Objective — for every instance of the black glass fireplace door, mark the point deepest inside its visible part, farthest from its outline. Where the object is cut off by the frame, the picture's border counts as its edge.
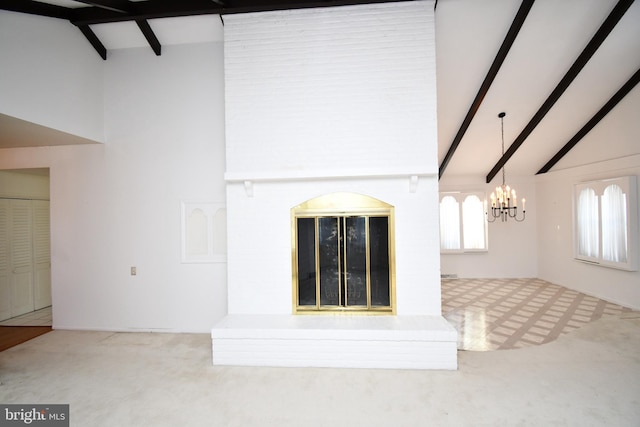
(343, 262)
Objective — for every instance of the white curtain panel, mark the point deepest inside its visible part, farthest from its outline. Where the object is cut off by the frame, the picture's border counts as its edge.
(473, 223)
(449, 223)
(588, 239)
(614, 224)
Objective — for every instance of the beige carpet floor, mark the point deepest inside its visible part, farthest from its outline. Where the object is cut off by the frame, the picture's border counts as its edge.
(589, 377)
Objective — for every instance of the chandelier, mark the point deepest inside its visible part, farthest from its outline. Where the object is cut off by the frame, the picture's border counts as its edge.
(504, 202)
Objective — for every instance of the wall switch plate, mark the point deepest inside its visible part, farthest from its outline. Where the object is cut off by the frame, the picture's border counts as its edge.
(133, 271)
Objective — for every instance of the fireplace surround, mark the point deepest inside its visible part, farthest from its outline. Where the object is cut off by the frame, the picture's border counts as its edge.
(315, 112)
(263, 327)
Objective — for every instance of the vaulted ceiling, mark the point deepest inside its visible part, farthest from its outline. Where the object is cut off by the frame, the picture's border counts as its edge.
(558, 78)
(561, 70)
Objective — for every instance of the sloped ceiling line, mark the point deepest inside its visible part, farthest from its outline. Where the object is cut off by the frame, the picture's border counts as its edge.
(613, 101)
(514, 29)
(605, 29)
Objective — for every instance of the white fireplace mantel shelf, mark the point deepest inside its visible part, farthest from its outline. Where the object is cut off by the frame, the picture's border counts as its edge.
(306, 175)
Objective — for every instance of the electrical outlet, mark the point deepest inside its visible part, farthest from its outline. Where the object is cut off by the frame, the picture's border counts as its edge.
(133, 271)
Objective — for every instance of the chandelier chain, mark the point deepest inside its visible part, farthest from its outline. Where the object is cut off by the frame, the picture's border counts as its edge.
(502, 131)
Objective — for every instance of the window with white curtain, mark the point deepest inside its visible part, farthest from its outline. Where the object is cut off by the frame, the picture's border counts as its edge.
(606, 228)
(463, 224)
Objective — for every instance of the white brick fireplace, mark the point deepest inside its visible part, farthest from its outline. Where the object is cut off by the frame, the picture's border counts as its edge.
(320, 101)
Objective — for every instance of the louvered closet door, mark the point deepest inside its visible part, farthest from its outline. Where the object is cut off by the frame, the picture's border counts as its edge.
(21, 250)
(41, 254)
(5, 270)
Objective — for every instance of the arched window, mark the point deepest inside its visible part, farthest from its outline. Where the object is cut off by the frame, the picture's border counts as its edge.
(606, 225)
(463, 224)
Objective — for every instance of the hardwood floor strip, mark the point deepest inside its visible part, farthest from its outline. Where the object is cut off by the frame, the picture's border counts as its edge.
(10, 336)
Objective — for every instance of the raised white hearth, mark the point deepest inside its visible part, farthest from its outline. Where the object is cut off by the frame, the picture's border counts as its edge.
(396, 342)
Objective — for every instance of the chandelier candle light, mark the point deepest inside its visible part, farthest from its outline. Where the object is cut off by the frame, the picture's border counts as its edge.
(504, 202)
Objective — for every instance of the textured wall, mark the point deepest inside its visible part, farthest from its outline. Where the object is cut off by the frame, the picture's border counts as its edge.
(324, 100)
(331, 89)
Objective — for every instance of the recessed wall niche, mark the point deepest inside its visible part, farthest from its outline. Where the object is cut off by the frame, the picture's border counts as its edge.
(204, 232)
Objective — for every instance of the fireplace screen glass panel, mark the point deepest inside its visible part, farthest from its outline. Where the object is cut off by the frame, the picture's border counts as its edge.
(355, 271)
(379, 242)
(306, 261)
(328, 252)
(343, 263)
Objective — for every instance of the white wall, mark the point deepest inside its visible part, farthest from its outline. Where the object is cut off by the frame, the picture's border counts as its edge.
(326, 100)
(513, 246)
(50, 75)
(117, 205)
(555, 251)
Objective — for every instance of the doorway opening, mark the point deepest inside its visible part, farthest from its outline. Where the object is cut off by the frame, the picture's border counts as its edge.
(25, 248)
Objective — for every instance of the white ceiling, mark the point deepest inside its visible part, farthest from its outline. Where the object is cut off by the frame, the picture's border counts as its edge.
(15, 132)
(468, 36)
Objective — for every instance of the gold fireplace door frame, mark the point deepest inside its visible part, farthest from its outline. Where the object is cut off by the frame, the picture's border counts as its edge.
(343, 205)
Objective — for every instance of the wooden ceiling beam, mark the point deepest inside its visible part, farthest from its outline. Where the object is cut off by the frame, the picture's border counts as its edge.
(613, 101)
(150, 9)
(121, 6)
(93, 39)
(153, 9)
(607, 26)
(106, 11)
(36, 8)
(246, 6)
(149, 35)
(508, 41)
(128, 9)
